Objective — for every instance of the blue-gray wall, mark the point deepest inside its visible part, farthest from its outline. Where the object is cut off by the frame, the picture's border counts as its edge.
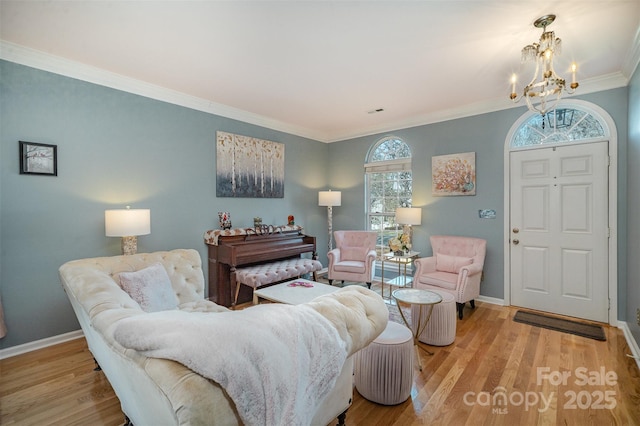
(633, 200)
(116, 148)
(485, 135)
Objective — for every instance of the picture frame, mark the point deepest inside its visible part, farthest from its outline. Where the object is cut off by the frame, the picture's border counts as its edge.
(453, 174)
(249, 167)
(38, 159)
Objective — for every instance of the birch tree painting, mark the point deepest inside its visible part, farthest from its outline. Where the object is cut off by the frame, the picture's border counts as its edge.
(248, 167)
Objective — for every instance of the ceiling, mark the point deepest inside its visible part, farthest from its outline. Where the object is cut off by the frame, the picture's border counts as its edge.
(318, 68)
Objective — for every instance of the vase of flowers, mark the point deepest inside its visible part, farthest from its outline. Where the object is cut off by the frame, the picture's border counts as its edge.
(400, 245)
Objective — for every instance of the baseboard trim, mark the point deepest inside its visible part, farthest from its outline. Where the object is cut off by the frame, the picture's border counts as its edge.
(40, 344)
(492, 300)
(631, 341)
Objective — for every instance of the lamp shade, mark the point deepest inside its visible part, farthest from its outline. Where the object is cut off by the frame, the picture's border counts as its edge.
(329, 198)
(408, 215)
(127, 222)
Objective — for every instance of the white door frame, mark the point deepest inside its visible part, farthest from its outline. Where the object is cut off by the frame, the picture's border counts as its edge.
(611, 135)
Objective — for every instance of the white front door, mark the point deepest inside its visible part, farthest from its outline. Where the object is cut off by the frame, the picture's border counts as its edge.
(559, 230)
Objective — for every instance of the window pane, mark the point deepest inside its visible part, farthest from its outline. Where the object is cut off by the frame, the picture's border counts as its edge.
(386, 228)
(558, 126)
(391, 149)
(388, 190)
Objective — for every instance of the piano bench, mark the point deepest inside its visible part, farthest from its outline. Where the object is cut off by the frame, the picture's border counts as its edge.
(269, 273)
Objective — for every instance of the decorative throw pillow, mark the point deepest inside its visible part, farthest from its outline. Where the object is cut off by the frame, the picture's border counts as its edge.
(150, 287)
(353, 253)
(446, 263)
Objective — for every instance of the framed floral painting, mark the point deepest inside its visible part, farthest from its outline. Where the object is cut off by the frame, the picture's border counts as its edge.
(453, 174)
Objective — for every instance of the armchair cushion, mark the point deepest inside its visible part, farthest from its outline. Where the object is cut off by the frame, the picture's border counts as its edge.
(351, 266)
(452, 264)
(440, 279)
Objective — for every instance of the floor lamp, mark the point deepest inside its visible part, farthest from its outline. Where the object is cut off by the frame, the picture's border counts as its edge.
(330, 198)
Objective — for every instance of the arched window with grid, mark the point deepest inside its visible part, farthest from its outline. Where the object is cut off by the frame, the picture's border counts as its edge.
(388, 185)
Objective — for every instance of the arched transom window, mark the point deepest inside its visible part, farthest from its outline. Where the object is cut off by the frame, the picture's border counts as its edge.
(562, 125)
(388, 183)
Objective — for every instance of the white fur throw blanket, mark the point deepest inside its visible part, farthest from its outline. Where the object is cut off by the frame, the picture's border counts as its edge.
(277, 362)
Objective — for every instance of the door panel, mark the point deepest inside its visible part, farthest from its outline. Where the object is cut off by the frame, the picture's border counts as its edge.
(576, 220)
(559, 230)
(576, 279)
(535, 265)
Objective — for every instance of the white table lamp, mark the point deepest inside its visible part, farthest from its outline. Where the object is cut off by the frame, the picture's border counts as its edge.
(408, 216)
(127, 223)
(330, 199)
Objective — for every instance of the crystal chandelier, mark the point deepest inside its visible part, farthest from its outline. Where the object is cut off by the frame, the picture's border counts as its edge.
(545, 89)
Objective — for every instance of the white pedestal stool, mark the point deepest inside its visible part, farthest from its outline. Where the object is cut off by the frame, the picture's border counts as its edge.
(441, 329)
(384, 369)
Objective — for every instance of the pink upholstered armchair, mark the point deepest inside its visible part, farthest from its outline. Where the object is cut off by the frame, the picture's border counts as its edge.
(455, 267)
(354, 257)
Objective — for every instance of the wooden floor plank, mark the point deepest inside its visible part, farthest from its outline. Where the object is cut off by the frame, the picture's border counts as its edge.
(459, 384)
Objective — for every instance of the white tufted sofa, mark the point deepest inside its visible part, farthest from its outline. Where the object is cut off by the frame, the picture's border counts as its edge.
(160, 392)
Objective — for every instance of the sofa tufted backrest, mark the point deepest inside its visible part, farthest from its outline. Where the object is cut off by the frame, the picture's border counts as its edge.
(95, 281)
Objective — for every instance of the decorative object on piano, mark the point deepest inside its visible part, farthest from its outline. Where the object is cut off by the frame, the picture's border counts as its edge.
(224, 218)
(127, 223)
(330, 198)
(211, 236)
(249, 167)
(291, 220)
(264, 229)
(257, 221)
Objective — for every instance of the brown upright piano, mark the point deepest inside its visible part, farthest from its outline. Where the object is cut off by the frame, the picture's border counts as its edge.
(229, 249)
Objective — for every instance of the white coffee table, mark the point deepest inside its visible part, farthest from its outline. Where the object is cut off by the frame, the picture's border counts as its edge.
(294, 295)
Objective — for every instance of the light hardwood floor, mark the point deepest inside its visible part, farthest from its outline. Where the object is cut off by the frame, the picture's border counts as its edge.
(492, 355)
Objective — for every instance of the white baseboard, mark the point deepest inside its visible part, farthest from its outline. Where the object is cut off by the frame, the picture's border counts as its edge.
(631, 341)
(39, 344)
(492, 300)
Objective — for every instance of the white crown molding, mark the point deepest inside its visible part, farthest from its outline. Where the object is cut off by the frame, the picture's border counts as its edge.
(607, 82)
(633, 57)
(46, 62)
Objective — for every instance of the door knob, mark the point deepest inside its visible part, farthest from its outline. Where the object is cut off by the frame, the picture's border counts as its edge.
(516, 230)
(516, 242)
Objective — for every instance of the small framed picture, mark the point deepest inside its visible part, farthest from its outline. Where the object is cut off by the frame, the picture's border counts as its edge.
(38, 159)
